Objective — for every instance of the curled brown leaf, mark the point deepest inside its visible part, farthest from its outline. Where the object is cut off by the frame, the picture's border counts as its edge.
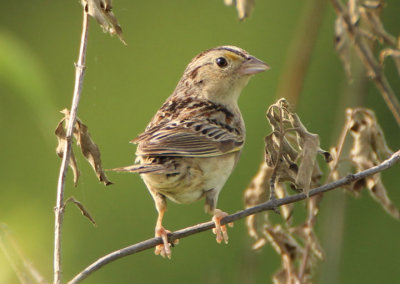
(101, 10)
(293, 156)
(61, 137)
(84, 141)
(82, 208)
(342, 46)
(369, 149)
(290, 156)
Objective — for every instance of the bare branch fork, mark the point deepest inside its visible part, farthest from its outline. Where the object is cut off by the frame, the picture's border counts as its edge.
(59, 209)
(270, 205)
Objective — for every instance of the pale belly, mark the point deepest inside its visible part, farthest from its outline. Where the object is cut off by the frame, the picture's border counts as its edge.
(196, 176)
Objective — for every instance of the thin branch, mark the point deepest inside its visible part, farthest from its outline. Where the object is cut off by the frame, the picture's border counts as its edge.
(270, 205)
(59, 209)
(367, 57)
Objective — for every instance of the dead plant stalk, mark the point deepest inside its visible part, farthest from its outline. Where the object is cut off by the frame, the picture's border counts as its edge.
(59, 209)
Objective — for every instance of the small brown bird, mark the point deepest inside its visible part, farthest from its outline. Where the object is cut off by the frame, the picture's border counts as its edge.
(193, 143)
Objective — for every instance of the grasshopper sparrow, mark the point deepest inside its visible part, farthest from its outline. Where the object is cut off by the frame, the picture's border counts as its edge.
(193, 143)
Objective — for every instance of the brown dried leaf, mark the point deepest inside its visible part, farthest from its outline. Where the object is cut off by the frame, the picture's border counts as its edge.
(308, 235)
(81, 208)
(369, 145)
(369, 149)
(89, 149)
(342, 46)
(290, 156)
(287, 169)
(60, 133)
(256, 193)
(101, 10)
(309, 143)
(370, 12)
(299, 251)
(244, 7)
(289, 250)
(293, 157)
(287, 209)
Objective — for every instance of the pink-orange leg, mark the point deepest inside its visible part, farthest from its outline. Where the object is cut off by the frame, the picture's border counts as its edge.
(163, 249)
(220, 230)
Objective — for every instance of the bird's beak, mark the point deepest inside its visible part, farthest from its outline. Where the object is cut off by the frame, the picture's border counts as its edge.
(253, 66)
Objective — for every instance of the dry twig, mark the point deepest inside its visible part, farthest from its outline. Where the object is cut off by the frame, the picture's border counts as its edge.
(59, 209)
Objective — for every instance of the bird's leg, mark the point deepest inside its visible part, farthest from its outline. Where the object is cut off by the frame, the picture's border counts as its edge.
(162, 249)
(220, 230)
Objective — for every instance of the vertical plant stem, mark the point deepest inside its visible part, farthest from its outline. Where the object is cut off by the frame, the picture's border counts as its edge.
(59, 209)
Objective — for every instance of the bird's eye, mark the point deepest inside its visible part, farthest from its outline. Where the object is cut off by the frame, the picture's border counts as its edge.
(221, 62)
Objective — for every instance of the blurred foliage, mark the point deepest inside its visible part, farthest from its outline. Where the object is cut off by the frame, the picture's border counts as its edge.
(123, 87)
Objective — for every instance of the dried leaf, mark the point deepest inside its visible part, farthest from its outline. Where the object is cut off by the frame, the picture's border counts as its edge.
(81, 208)
(289, 249)
(287, 209)
(370, 12)
(60, 133)
(256, 193)
(89, 149)
(370, 149)
(293, 157)
(243, 7)
(297, 253)
(309, 144)
(101, 10)
(365, 25)
(342, 46)
(290, 156)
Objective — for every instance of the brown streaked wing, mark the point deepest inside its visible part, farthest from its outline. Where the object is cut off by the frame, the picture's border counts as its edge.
(178, 140)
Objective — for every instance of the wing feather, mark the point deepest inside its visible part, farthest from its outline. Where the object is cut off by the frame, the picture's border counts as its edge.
(188, 139)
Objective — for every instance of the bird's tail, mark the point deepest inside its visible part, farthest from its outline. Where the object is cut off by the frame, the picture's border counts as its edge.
(142, 169)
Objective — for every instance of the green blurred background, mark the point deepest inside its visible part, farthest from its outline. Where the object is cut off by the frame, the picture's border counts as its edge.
(123, 88)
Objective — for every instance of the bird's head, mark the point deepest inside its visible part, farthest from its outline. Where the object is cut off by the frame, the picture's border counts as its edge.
(222, 72)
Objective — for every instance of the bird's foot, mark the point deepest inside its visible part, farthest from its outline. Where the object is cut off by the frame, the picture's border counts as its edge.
(164, 249)
(220, 230)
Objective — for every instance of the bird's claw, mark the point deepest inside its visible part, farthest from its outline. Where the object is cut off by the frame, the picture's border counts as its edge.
(220, 230)
(164, 249)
